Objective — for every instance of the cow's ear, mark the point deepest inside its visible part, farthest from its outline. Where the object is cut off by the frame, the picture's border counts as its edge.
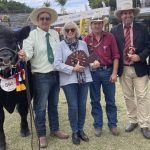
(23, 33)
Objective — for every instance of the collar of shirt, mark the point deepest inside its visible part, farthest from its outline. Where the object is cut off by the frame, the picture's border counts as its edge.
(130, 25)
(42, 31)
(93, 36)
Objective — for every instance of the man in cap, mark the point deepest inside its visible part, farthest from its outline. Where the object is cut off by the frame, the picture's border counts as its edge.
(134, 48)
(39, 48)
(104, 72)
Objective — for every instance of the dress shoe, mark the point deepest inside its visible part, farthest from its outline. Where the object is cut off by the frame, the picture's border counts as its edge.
(130, 127)
(114, 131)
(43, 142)
(75, 138)
(98, 132)
(83, 136)
(146, 132)
(59, 134)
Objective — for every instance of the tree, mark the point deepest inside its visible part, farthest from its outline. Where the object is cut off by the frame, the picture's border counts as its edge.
(62, 4)
(12, 6)
(136, 3)
(98, 3)
(47, 3)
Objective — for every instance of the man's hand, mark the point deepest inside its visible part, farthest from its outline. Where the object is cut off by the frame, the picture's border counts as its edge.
(134, 57)
(113, 78)
(78, 68)
(22, 54)
(95, 64)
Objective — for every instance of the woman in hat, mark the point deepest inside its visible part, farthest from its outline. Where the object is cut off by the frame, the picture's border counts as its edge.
(39, 48)
(73, 79)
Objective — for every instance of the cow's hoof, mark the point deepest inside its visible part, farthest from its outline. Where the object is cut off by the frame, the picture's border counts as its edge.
(3, 147)
(24, 131)
(2, 142)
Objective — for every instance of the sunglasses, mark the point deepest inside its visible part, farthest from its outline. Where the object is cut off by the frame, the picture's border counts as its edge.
(45, 18)
(72, 30)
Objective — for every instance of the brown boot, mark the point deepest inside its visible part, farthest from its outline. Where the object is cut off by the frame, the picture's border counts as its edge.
(43, 142)
(59, 134)
(98, 132)
(114, 131)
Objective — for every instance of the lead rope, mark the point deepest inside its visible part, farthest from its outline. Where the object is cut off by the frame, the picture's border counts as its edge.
(32, 118)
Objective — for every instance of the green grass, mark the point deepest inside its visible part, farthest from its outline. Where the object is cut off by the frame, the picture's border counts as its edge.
(126, 141)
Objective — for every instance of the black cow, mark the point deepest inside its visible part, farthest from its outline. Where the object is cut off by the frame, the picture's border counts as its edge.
(9, 65)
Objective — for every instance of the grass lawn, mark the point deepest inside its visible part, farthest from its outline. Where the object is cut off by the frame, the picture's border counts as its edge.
(126, 141)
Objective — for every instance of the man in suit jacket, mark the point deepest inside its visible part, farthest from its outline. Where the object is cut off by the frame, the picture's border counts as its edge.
(134, 48)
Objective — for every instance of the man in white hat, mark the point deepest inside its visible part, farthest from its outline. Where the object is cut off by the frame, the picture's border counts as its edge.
(39, 48)
(134, 48)
(104, 73)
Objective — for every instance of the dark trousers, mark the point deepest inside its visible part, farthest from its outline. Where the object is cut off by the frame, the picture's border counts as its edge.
(101, 77)
(46, 90)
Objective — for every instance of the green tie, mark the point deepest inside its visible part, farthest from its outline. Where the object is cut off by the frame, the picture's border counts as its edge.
(49, 50)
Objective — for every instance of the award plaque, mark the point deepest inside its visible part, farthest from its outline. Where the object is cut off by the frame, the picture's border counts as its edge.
(82, 57)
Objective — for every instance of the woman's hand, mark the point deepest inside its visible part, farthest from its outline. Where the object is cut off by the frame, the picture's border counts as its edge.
(22, 54)
(78, 68)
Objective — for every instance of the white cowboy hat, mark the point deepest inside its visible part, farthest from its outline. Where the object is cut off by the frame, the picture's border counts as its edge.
(34, 15)
(126, 6)
(97, 18)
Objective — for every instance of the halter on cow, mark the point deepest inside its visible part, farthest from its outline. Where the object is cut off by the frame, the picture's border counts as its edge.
(12, 76)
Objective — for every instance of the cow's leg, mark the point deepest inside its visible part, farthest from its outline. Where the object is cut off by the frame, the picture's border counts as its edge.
(2, 135)
(23, 111)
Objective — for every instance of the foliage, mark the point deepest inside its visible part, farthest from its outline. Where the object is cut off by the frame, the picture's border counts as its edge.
(111, 3)
(13, 7)
(136, 3)
(61, 2)
(47, 3)
(99, 3)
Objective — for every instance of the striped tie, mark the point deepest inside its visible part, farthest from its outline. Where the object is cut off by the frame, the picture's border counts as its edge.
(127, 43)
(49, 50)
(127, 37)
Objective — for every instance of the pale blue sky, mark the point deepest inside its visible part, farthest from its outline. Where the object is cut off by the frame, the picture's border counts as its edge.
(71, 5)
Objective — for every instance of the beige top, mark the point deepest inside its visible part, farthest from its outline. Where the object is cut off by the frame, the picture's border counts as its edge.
(36, 49)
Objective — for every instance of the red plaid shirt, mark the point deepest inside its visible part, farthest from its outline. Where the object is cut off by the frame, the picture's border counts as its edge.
(107, 50)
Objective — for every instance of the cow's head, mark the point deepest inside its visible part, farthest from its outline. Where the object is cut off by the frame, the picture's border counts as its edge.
(9, 41)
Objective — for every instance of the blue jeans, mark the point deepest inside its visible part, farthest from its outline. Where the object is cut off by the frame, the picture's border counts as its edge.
(46, 89)
(76, 95)
(102, 77)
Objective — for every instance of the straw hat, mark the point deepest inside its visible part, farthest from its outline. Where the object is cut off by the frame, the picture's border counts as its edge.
(126, 6)
(33, 16)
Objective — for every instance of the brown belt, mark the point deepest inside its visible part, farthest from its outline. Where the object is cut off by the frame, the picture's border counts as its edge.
(131, 65)
(51, 73)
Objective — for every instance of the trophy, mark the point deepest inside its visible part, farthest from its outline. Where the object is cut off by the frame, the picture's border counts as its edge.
(82, 57)
(130, 51)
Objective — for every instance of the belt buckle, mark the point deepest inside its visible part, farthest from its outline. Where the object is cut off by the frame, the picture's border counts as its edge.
(104, 67)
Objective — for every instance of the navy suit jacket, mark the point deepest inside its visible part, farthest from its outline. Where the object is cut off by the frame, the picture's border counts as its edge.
(141, 43)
